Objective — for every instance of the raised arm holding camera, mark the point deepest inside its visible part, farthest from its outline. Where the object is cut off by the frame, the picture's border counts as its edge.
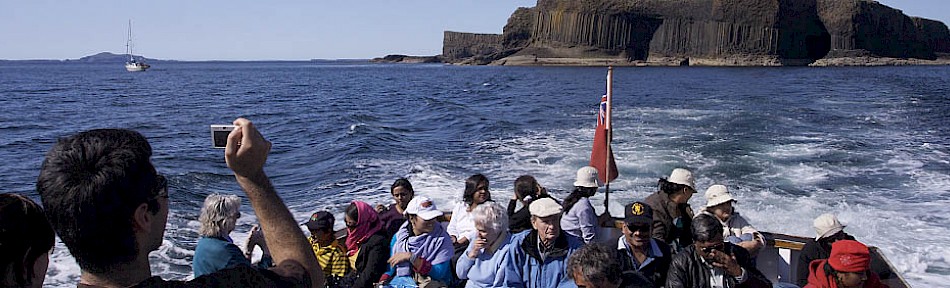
(108, 204)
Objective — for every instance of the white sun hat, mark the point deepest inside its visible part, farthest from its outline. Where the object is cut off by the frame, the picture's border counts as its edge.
(683, 177)
(587, 177)
(717, 194)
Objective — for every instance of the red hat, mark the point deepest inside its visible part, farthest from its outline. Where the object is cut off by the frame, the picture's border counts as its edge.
(849, 256)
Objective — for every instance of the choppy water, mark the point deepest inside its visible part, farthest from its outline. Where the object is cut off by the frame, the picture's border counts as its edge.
(871, 144)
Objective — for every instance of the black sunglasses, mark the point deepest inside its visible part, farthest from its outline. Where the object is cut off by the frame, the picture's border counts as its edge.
(638, 227)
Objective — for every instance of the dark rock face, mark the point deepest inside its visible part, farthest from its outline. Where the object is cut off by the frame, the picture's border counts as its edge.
(395, 58)
(712, 32)
(458, 46)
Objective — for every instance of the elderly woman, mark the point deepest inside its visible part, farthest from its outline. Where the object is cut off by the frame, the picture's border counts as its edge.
(421, 249)
(216, 250)
(486, 254)
(27, 239)
(365, 245)
(849, 266)
(580, 219)
(736, 229)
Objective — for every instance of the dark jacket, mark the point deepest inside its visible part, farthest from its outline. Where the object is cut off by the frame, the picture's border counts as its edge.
(656, 270)
(814, 250)
(371, 261)
(520, 220)
(688, 270)
(633, 279)
(392, 220)
(665, 215)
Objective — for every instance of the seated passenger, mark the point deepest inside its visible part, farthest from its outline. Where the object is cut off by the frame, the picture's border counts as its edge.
(215, 249)
(736, 229)
(829, 230)
(637, 250)
(580, 219)
(421, 249)
(595, 266)
(849, 265)
(527, 189)
(538, 257)
(27, 240)
(672, 215)
(393, 216)
(330, 254)
(712, 262)
(462, 227)
(366, 245)
(109, 206)
(483, 261)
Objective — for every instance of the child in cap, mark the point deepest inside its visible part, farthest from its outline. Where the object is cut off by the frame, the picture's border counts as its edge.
(330, 253)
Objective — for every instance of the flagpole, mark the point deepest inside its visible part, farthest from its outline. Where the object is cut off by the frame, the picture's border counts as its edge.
(610, 131)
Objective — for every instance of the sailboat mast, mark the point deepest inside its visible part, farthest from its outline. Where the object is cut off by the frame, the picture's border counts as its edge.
(128, 43)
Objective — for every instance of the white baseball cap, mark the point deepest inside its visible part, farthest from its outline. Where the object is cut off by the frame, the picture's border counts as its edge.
(587, 177)
(717, 194)
(544, 207)
(423, 207)
(683, 177)
(827, 225)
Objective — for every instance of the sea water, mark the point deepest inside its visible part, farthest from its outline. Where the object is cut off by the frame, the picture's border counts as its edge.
(871, 145)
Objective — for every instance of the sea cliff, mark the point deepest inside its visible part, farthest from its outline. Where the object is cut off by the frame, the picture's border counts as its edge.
(706, 32)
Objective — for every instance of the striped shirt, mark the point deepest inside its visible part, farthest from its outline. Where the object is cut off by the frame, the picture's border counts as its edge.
(331, 257)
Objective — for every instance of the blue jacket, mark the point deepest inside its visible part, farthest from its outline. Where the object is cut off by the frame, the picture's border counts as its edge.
(214, 253)
(526, 268)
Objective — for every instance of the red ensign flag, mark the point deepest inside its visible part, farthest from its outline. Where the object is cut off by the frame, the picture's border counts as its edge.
(602, 157)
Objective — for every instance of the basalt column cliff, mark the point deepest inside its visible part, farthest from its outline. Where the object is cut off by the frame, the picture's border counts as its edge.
(705, 32)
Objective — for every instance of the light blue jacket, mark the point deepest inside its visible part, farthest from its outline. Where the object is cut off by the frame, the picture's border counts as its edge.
(213, 254)
(526, 268)
(581, 220)
(486, 270)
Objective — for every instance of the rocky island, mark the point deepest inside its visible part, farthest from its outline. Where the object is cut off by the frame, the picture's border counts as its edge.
(705, 33)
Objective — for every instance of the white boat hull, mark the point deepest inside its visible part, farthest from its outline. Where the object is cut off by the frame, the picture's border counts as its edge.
(136, 67)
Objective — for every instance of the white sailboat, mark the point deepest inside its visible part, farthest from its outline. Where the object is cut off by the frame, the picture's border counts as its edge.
(132, 65)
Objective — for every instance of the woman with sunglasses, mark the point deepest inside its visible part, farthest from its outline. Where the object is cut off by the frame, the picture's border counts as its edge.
(216, 250)
(365, 245)
(638, 251)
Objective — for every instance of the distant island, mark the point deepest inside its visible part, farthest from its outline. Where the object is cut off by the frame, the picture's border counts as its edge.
(703, 33)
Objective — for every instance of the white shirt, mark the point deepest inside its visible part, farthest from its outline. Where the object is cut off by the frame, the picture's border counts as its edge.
(462, 223)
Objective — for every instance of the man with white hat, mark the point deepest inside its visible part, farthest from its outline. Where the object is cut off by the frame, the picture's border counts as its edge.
(829, 230)
(538, 257)
(736, 229)
(672, 215)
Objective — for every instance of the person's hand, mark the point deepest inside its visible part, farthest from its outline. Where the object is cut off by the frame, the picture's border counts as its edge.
(477, 247)
(399, 258)
(726, 262)
(380, 208)
(246, 150)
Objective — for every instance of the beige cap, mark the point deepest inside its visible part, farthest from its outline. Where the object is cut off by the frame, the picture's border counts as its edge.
(544, 207)
(682, 176)
(717, 194)
(827, 225)
(587, 177)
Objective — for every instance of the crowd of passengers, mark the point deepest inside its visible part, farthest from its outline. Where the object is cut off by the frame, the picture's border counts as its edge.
(103, 197)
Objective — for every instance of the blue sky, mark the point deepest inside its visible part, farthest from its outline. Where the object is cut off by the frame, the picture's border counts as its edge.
(266, 30)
